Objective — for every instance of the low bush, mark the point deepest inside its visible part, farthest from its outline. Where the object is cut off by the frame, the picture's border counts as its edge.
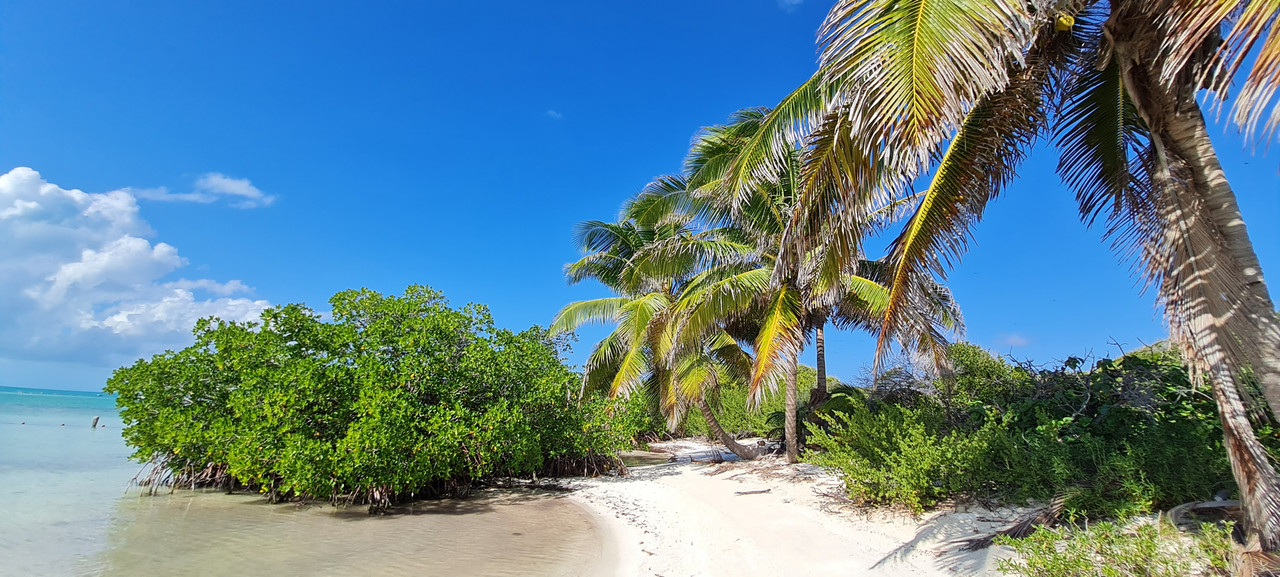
(1110, 550)
(1127, 436)
(398, 396)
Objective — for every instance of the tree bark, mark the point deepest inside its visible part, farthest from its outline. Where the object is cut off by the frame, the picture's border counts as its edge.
(1196, 244)
(819, 394)
(1188, 134)
(1250, 465)
(789, 428)
(742, 451)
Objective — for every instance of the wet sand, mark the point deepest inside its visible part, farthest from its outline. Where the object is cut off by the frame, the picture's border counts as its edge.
(494, 533)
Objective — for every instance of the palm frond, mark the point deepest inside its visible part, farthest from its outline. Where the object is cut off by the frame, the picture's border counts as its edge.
(663, 202)
(1194, 23)
(979, 162)
(673, 258)
(872, 296)
(1098, 131)
(778, 343)
(924, 63)
(762, 157)
(630, 369)
(720, 295)
(598, 236)
(595, 311)
(602, 364)
(606, 267)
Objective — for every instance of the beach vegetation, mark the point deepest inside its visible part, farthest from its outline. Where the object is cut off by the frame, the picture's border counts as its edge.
(396, 397)
(1108, 549)
(1114, 439)
(955, 95)
(699, 274)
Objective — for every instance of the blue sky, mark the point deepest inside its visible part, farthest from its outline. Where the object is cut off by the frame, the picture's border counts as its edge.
(233, 154)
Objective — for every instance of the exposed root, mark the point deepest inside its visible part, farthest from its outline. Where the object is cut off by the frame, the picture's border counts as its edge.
(161, 472)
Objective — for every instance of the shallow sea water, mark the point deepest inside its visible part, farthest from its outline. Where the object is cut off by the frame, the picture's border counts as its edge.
(69, 511)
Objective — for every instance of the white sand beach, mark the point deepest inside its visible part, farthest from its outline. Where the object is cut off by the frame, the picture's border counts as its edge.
(769, 518)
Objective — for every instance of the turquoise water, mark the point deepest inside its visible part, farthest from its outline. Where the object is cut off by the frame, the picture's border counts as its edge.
(59, 478)
(66, 509)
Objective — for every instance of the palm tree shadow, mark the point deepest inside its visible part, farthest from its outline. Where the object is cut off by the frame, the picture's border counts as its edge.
(942, 538)
(646, 472)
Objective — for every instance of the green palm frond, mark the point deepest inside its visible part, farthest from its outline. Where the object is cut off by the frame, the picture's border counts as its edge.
(871, 296)
(675, 257)
(839, 181)
(598, 236)
(778, 343)
(719, 295)
(979, 162)
(1098, 131)
(595, 311)
(924, 63)
(637, 314)
(664, 202)
(630, 370)
(762, 157)
(602, 364)
(734, 363)
(608, 268)
(695, 376)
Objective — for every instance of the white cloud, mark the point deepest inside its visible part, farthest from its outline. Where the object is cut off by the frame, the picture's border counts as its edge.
(209, 188)
(162, 194)
(1015, 340)
(80, 281)
(221, 184)
(554, 115)
(789, 5)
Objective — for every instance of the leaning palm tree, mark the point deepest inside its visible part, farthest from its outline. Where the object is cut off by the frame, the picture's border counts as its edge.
(640, 351)
(964, 88)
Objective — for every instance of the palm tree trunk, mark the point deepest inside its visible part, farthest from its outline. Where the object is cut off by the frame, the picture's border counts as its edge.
(742, 451)
(1187, 132)
(1218, 238)
(1250, 465)
(1215, 297)
(789, 428)
(819, 394)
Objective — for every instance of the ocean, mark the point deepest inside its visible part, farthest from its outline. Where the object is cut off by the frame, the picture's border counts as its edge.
(70, 510)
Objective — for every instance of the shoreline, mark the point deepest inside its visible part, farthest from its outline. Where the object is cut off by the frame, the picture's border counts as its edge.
(765, 517)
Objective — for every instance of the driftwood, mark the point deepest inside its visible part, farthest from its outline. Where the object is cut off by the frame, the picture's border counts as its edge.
(757, 492)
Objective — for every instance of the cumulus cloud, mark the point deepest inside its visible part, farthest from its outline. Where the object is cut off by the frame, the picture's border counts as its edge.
(81, 281)
(211, 187)
(552, 114)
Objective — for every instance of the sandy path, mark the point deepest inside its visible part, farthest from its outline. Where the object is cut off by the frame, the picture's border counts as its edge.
(690, 519)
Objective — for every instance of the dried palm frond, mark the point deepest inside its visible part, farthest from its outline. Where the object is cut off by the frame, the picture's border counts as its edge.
(1048, 516)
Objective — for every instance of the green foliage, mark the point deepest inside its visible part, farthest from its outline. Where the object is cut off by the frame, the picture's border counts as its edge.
(1127, 437)
(398, 395)
(735, 416)
(1109, 550)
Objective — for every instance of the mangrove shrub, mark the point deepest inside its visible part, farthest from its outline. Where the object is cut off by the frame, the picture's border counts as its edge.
(395, 396)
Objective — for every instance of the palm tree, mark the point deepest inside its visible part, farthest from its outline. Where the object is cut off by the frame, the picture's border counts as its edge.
(639, 351)
(966, 87)
(743, 284)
